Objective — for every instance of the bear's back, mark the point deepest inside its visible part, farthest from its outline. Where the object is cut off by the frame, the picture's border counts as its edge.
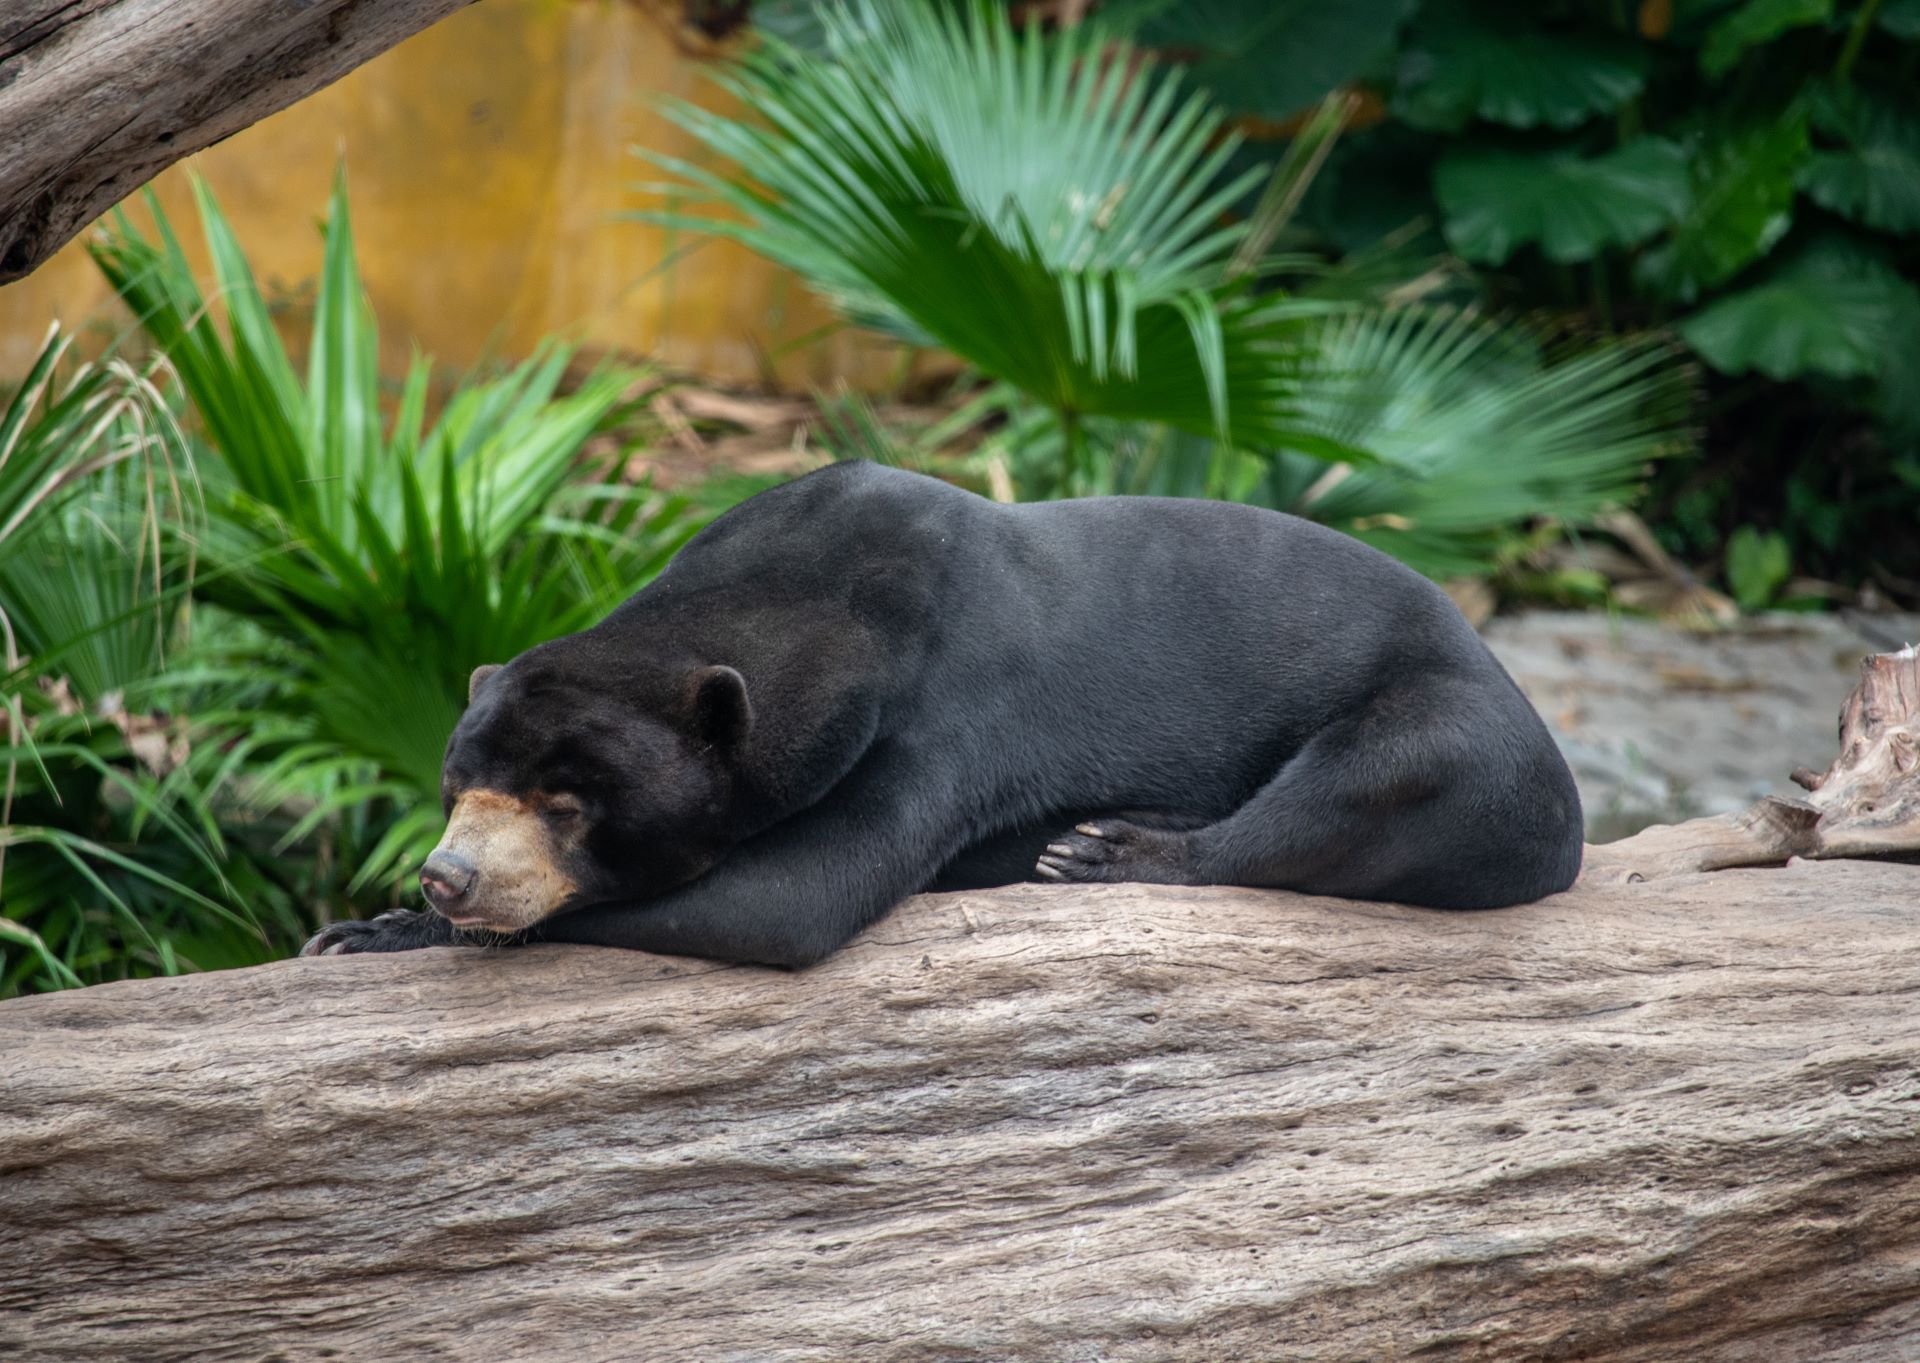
(827, 522)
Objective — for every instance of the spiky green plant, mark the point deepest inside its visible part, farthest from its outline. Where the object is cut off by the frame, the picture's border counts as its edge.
(111, 860)
(364, 556)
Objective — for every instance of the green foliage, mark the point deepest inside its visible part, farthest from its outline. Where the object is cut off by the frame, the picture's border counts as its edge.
(1740, 204)
(1471, 427)
(1753, 24)
(96, 618)
(1758, 566)
(1466, 61)
(1831, 310)
(1744, 172)
(365, 558)
(345, 553)
(1044, 212)
(1269, 58)
(1497, 200)
(1475, 429)
(1050, 208)
(1873, 176)
(111, 861)
(175, 799)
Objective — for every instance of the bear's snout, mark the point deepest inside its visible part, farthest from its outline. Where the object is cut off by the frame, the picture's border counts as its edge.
(446, 878)
(497, 866)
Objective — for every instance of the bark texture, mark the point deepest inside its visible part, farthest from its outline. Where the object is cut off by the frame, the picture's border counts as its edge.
(99, 96)
(1865, 804)
(1645, 1122)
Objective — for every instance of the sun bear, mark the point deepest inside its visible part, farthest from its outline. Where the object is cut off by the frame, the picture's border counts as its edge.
(869, 682)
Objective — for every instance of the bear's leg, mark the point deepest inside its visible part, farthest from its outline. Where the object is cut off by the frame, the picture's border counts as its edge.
(1310, 828)
(799, 890)
(1365, 813)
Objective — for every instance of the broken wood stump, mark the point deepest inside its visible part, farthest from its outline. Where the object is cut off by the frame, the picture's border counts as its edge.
(1634, 1123)
(1865, 804)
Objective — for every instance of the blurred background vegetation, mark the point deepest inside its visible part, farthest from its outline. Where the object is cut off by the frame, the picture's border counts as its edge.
(1594, 303)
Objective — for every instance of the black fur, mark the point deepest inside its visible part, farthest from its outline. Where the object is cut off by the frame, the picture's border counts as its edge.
(867, 682)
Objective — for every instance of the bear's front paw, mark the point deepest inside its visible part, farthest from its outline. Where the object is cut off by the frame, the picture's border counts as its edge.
(401, 930)
(1108, 850)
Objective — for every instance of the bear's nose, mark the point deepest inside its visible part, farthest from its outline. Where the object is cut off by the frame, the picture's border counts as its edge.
(446, 878)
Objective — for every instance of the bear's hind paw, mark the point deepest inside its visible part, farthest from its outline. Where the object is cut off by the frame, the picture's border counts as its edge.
(1110, 850)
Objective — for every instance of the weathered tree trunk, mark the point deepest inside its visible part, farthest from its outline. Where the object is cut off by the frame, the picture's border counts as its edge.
(1866, 804)
(99, 96)
(1675, 1120)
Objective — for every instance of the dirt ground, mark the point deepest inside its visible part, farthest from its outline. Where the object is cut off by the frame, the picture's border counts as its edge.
(1662, 724)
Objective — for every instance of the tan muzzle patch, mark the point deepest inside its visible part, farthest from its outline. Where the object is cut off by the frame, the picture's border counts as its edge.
(517, 881)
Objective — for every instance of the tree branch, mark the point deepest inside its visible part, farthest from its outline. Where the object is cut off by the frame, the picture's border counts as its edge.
(1632, 1124)
(99, 96)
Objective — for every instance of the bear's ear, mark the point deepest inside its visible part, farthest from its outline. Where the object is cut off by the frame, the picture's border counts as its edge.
(722, 714)
(479, 678)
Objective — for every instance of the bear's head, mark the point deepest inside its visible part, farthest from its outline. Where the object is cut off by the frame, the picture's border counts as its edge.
(567, 784)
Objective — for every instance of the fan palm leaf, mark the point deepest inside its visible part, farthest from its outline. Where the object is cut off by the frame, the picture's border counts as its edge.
(1475, 427)
(1051, 209)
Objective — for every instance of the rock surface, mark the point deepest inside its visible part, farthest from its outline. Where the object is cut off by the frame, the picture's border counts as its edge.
(1650, 1122)
(1663, 724)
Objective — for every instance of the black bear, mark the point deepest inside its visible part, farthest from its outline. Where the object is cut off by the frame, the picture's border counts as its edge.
(868, 682)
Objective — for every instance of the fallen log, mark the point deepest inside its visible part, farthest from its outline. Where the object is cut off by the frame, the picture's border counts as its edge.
(98, 96)
(1865, 804)
(1672, 1120)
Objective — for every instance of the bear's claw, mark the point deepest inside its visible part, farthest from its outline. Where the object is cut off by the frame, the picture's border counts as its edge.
(400, 930)
(1115, 850)
(1087, 853)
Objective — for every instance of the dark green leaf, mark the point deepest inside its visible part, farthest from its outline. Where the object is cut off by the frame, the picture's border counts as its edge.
(1899, 395)
(1901, 18)
(1832, 309)
(1497, 200)
(1758, 566)
(1875, 180)
(1755, 23)
(1742, 203)
(1267, 57)
(1464, 61)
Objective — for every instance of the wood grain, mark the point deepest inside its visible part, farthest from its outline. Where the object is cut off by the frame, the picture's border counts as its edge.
(98, 96)
(1678, 1119)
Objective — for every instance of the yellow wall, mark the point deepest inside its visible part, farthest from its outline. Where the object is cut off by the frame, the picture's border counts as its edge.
(487, 159)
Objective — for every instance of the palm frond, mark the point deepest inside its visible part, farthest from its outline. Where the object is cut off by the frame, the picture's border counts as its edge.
(1050, 207)
(1476, 427)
